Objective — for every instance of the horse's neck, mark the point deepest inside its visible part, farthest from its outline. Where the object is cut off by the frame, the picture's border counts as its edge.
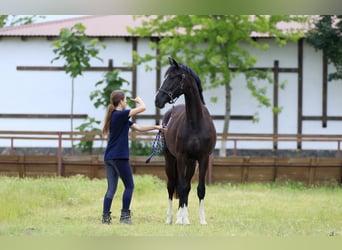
(193, 105)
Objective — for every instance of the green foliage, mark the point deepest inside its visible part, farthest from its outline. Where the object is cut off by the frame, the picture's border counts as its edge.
(112, 81)
(213, 99)
(74, 46)
(3, 19)
(141, 148)
(216, 46)
(210, 44)
(87, 142)
(77, 50)
(327, 36)
(277, 110)
(16, 20)
(256, 117)
(260, 93)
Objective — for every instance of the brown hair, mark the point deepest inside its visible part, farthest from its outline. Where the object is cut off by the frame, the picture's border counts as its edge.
(115, 98)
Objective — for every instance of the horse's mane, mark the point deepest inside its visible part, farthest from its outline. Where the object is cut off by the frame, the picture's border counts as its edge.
(197, 79)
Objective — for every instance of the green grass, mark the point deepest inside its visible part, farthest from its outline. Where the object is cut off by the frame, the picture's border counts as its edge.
(73, 207)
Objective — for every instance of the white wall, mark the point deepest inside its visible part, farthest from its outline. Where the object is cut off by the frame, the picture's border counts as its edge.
(48, 92)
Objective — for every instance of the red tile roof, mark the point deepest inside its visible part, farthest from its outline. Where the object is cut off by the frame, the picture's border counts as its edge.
(99, 26)
(96, 26)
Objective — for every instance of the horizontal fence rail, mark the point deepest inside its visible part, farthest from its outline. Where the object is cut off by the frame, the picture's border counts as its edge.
(221, 169)
(148, 136)
(310, 171)
(236, 138)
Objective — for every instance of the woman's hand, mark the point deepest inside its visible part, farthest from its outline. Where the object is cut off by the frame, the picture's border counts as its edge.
(137, 100)
(160, 127)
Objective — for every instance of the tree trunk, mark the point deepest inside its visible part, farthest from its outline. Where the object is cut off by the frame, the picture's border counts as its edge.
(72, 115)
(226, 119)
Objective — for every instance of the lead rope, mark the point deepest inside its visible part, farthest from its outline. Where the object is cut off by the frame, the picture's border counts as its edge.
(158, 143)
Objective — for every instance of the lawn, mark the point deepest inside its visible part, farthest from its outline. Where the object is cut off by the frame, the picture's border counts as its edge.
(73, 206)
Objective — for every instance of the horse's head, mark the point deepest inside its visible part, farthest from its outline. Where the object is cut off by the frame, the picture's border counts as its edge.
(172, 86)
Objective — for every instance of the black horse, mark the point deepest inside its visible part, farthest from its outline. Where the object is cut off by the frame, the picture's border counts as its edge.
(190, 137)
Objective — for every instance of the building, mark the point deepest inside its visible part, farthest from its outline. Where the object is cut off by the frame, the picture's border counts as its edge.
(35, 93)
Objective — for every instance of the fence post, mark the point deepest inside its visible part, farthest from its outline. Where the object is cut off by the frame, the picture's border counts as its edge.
(59, 155)
(21, 166)
(275, 102)
(94, 167)
(12, 146)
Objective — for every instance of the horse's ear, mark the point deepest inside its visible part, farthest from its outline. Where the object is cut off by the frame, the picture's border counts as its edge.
(173, 62)
(170, 61)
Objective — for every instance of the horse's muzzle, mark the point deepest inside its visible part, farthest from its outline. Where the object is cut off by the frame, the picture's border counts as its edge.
(159, 104)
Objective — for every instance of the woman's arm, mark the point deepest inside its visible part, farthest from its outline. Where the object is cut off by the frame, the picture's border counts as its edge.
(145, 128)
(140, 108)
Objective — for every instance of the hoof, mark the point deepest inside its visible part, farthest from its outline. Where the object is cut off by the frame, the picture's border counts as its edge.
(203, 222)
(179, 221)
(182, 216)
(186, 221)
(168, 221)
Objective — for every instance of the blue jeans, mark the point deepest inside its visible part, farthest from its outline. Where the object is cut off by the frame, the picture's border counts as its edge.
(114, 170)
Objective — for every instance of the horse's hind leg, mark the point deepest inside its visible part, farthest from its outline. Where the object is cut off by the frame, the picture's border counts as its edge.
(169, 213)
(203, 165)
(171, 184)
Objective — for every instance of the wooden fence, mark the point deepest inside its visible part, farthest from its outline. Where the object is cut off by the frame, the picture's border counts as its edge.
(235, 169)
(311, 171)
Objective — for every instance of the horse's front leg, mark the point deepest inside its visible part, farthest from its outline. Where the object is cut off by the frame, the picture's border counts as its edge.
(182, 213)
(185, 176)
(201, 213)
(203, 165)
(171, 185)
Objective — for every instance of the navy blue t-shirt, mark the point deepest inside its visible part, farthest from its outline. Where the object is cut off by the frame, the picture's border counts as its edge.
(117, 145)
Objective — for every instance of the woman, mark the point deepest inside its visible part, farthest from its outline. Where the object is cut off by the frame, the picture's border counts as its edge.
(116, 157)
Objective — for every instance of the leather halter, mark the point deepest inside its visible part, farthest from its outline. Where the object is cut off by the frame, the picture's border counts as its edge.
(171, 92)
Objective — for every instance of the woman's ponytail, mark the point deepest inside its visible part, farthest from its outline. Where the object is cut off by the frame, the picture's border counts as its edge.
(115, 98)
(105, 129)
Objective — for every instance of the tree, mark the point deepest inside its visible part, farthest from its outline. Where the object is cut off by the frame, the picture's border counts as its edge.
(77, 50)
(214, 47)
(112, 81)
(327, 36)
(101, 98)
(15, 20)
